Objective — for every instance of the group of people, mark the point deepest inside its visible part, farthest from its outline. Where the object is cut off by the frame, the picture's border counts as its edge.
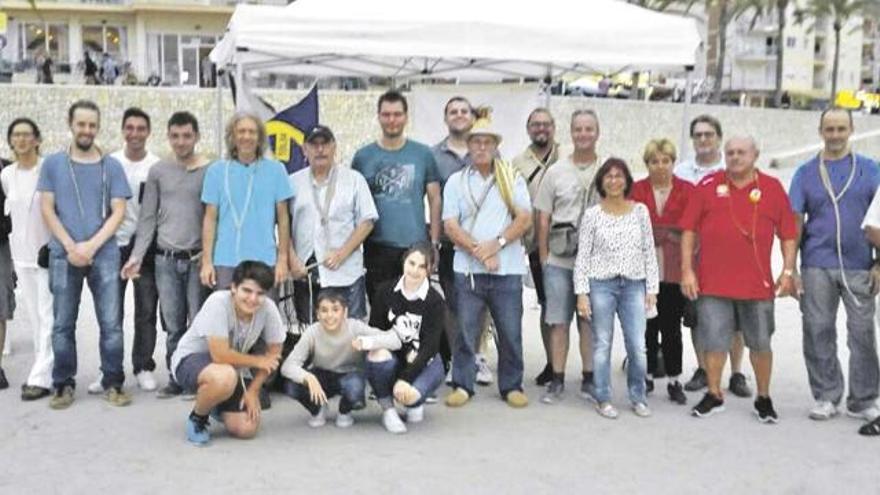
(207, 246)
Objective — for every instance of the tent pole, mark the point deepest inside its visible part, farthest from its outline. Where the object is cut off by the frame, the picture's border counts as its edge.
(218, 131)
(685, 111)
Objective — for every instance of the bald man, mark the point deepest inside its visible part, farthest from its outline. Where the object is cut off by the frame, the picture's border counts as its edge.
(734, 212)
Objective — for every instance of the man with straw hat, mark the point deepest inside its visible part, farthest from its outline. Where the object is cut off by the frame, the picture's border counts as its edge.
(486, 211)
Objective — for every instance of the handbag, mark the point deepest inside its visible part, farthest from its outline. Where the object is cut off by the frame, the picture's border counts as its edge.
(562, 240)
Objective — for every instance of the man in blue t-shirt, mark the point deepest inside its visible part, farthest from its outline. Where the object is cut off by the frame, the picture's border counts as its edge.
(83, 195)
(399, 172)
(830, 194)
(245, 196)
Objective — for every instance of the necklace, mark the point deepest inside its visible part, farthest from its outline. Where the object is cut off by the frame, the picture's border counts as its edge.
(754, 198)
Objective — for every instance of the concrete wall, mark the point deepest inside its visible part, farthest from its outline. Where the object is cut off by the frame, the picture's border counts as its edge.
(625, 125)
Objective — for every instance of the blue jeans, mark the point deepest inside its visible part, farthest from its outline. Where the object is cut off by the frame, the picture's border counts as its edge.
(181, 294)
(503, 296)
(350, 386)
(66, 282)
(383, 375)
(626, 298)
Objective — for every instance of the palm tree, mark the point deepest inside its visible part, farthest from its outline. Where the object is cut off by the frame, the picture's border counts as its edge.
(781, 7)
(839, 12)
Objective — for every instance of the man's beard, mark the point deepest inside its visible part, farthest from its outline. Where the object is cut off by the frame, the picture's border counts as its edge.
(540, 141)
(83, 147)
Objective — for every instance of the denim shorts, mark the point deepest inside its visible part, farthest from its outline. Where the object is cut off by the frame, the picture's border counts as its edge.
(187, 376)
(718, 318)
(559, 293)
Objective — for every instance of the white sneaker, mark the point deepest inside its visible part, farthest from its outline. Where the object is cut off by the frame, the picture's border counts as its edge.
(868, 414)
(415, 414)
(606, 410)
(146, 381)
(641, 410)
(344, 420)
(95, 387)
(484, 374)
(392, 422)
(320, 419)
(823, 410)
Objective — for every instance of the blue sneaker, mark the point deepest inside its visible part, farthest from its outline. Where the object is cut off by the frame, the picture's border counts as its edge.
(197, 432)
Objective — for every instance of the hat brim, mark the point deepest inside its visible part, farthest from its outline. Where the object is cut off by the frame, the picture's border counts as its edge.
(486, 132)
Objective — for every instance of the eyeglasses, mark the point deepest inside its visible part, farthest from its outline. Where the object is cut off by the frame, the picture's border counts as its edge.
(538, 125)
(21, 135)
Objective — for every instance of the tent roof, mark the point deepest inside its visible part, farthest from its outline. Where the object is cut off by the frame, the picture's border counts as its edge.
(466, 39)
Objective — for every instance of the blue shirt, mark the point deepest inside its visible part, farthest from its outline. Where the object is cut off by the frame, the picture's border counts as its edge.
(463, 190)
(398, 180)
(245, 197)
(98, 183)
(809, 197)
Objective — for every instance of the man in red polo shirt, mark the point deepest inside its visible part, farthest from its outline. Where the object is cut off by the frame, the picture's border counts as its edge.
(735, 213)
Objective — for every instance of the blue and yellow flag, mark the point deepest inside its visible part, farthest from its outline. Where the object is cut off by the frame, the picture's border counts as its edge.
(287, 131)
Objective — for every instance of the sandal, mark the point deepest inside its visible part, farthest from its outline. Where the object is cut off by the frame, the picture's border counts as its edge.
(871, 429)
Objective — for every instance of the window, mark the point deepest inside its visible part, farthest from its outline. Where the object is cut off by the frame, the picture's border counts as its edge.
(101, 39)
(42, 38)
(790, 42)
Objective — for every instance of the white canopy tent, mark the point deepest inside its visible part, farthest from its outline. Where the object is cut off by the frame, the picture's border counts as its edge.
(467, 40)
(463, 40)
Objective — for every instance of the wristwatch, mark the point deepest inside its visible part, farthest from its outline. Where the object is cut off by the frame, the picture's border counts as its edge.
(788, 273)
(502, 241)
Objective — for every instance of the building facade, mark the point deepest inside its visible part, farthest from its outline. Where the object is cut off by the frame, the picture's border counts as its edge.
(166, 39)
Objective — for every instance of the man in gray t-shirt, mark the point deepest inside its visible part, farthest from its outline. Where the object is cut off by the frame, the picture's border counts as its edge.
(233, 345)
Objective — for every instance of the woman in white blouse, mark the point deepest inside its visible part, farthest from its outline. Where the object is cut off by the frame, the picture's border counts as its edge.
(616, 273)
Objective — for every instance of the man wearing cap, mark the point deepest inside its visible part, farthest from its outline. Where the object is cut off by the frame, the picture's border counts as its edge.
(531, 164)
(486, 210)
(333, 212)
(400, 173)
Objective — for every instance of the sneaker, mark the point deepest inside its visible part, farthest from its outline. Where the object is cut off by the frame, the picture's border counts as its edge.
(392, 422)
(31, 392)
(545, 376)
(676, 393)
(697, 382)
(738, 385)
(587, 388)
(607, 410)
(764, 410)
(320, 419)
(344, 420)
(484, 374)
(516, 399)
(823, 410)
(197, 431)
(649, 386)
(4, 383)
(63, 398)
(415, 414)
(554, 392)
(708, 406)
(641, 410)
(431, 399)
(117, 397)
(188, 395)
(170, 390)
(146, 381)
(7, 349)
(868, 414)
(457, 398)
(96, 387)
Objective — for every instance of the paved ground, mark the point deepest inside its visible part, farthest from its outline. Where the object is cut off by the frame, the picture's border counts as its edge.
(483, 448)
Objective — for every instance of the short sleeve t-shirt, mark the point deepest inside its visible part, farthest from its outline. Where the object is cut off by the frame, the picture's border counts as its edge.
(217, 318)
(736, 234)
(98, 183)
(690, 171)
(398, 180)
(810, 198)
(561, 195)
(245, 197)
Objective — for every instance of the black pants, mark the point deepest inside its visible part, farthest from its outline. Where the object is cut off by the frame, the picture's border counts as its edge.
(383, 263)
(667, 325)
(537, 278)
(146, 304)
(447, 282)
